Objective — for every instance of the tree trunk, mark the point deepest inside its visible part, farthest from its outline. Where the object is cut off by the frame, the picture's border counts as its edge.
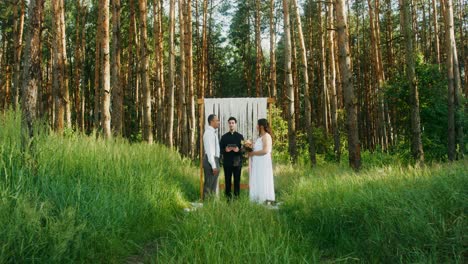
(273, 92)
(144, 65)
(289, 83)
(60, 66)
(305, 74)
(246, 59)
(18, 28)
(32, 76)
(295, 74)
(389, 35)
(332, 84)
(189, 71)
(455, 129)
(459, 100)
(159, 55)
(378, 72)
(204, 51)
(347, 83)
(171, 73)
(407, 28)
(323, 74)
(65, 87)
(116, 80)
(182, 118)
(4, 99)
(130, 96)
(259, 53)
(97, 77)
(209, 55)
(436, 31)
(79, 57)
(106, 118)
(463, 50)
(391, 65)
(156, 72)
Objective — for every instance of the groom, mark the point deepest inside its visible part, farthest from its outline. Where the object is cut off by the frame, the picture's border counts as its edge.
(211, 157)
(232, 157)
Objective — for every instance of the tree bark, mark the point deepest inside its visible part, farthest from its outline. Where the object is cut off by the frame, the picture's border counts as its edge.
(18, 28)
(32, 75)
(323, 74)
(161, 91)
(259, 53)
(347, 82)
(79, 57)
(4, 89)
(106, 118)
(130, 94)
(116, 80)
(97, 77)
(65, 87)
(378, 72)
(189, 71)
(295, 74)
(62, 108)
(144, 66)
(407, 28)
(305, 74)
(273, 92)
(455, 128)
(204, 51)
(182, 118)
(332, 84)
(171, 73)
(289, 82)
(436, 31)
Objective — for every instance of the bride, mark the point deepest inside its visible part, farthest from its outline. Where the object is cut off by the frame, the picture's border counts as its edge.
(262, 188)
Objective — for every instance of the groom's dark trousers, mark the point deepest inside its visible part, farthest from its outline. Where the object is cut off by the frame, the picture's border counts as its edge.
(229, 172)
(210, 184)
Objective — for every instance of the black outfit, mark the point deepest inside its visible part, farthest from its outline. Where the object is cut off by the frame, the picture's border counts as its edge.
(232, 162)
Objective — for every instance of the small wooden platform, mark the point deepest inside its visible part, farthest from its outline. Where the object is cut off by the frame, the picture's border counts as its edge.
(243, 186)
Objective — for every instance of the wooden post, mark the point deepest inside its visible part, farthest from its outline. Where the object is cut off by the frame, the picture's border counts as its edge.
(270, 102)
(201, 109)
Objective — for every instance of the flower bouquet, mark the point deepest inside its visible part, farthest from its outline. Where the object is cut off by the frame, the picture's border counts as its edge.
(247, 146)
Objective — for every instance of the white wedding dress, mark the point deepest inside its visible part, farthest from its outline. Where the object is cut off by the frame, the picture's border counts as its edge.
(261, 176)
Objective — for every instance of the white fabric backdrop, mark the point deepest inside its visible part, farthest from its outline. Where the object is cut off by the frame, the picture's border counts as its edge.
(247, 111)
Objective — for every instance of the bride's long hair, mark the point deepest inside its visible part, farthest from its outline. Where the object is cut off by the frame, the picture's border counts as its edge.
(266, 126)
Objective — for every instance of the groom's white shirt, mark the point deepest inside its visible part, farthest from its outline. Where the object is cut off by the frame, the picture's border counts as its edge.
(211, 145)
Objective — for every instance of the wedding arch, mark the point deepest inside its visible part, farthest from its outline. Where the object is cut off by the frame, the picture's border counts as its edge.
(246, 110)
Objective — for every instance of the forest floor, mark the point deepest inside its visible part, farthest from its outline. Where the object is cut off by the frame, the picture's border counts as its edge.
(73, 198)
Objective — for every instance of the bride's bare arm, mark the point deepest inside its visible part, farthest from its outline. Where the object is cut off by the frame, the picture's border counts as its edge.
(266, 140)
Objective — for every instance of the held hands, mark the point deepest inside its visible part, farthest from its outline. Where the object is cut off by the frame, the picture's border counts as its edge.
(251, 154)
(215, 172)
(228, 149)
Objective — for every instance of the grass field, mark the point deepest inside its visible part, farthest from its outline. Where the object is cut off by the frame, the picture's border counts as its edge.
(78, 199)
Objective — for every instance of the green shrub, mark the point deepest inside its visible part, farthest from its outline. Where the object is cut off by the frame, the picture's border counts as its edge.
(432, 85)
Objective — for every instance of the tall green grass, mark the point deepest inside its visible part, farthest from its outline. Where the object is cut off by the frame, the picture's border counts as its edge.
(385, 215)
(236, 232)
(331, 214)
(76, 198)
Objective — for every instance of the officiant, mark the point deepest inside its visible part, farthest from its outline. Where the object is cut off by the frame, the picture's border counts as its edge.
(231, 145)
